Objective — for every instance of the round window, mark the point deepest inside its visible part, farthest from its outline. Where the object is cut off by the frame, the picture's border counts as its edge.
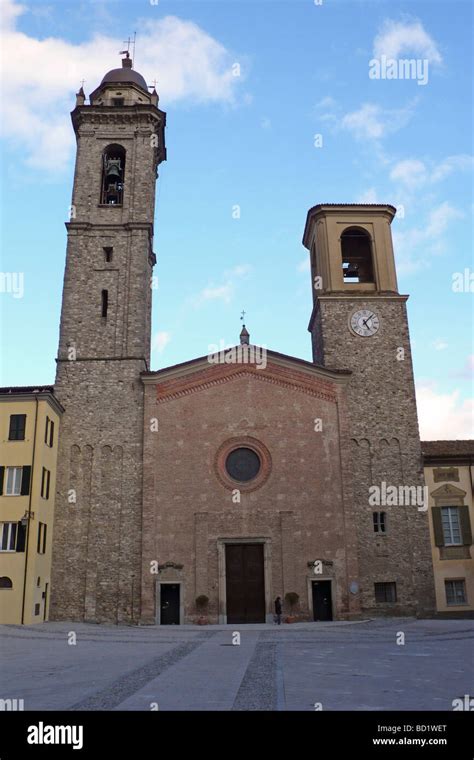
(242, 464)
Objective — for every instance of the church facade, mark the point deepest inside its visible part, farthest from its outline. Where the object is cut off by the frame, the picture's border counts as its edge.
(201, 492)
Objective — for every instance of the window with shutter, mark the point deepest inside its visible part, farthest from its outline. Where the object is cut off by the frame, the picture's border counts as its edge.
(20, 537)
(25, 480)
(17, 427)
(451, 526)
(13, 481)
(465, 523)
(8, 536)
(437, 526)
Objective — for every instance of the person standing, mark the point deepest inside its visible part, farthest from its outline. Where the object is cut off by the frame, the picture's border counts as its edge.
(278, 610)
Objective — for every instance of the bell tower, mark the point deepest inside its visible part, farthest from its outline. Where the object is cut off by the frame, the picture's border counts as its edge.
(104, 345)
(359, 322)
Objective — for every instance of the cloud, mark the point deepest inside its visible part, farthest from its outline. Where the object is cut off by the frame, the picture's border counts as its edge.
(461, 162)
(304, 265)
(444, 416)
(439, 344)
(439, 219)
(416, 246)
(410, 172)
(160, 340)
(397, 38)
(218, 293)
(225, 290)
(239, 271)
(413, 173)
(43, 75)
(369, 196)
(372, 122)
(467, 372)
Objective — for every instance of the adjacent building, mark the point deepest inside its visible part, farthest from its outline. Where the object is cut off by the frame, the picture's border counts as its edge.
(449, 472)
(29, 429)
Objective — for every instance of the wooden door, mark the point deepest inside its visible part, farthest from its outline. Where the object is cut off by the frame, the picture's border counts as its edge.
(245, 585)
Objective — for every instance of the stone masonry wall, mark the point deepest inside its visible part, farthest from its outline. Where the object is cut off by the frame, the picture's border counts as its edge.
(385, 447)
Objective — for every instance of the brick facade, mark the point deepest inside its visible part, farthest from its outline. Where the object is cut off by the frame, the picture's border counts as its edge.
(143, 499)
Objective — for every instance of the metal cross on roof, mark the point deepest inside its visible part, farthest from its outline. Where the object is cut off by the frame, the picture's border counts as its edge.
(128, 43)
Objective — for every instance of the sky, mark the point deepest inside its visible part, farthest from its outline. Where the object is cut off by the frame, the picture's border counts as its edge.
(272, 107)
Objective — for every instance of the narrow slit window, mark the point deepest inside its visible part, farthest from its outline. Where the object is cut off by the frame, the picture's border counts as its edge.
(105, 302)
(380, 525)
(108, 251)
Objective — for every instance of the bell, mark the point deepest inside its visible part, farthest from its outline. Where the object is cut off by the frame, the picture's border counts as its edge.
(112, 193)
(112, 168)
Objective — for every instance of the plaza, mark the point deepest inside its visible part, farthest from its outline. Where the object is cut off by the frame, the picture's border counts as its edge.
(304, 666)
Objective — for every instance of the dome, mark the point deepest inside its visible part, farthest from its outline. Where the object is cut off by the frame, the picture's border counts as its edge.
(124, 76)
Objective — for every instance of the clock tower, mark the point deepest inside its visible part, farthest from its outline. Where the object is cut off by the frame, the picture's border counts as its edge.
(359, 322)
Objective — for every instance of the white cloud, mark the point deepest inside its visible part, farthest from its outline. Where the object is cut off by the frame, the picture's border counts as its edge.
(439, 344)
(398, 38)
(410, 172)
(304, 265)
(467, 372)
(239, 271)
(444, 416)
(326, 102)
(160, 340)
(217, 293)
(413, 173)
(461, 162)
(439, 219)
(225, 290)
(369, 196)
(372, 122)
(43, 75)
(416, 246)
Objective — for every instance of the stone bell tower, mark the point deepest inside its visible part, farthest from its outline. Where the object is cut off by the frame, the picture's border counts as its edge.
(359, 322)
(104, 345)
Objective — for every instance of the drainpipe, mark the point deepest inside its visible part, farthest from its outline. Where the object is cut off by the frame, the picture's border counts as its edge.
(27, 542)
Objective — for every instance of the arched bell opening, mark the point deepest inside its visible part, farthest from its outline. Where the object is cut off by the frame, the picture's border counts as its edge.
(113, 172)
(357, 263)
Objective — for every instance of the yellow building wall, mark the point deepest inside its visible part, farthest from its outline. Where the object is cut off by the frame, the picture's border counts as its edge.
(13, 508)
(445, 569)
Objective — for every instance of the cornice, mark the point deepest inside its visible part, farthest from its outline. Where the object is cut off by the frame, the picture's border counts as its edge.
(213, 375)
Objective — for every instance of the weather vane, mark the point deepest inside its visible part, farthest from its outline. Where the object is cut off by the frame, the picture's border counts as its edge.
(242, 315)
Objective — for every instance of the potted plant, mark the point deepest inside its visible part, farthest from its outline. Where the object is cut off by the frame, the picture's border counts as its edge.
(202, 602)
(292, 599)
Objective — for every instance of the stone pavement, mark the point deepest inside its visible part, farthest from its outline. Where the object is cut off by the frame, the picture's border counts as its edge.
(330, 666)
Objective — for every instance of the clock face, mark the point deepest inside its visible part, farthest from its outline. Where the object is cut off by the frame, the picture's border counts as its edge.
(364, 322)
